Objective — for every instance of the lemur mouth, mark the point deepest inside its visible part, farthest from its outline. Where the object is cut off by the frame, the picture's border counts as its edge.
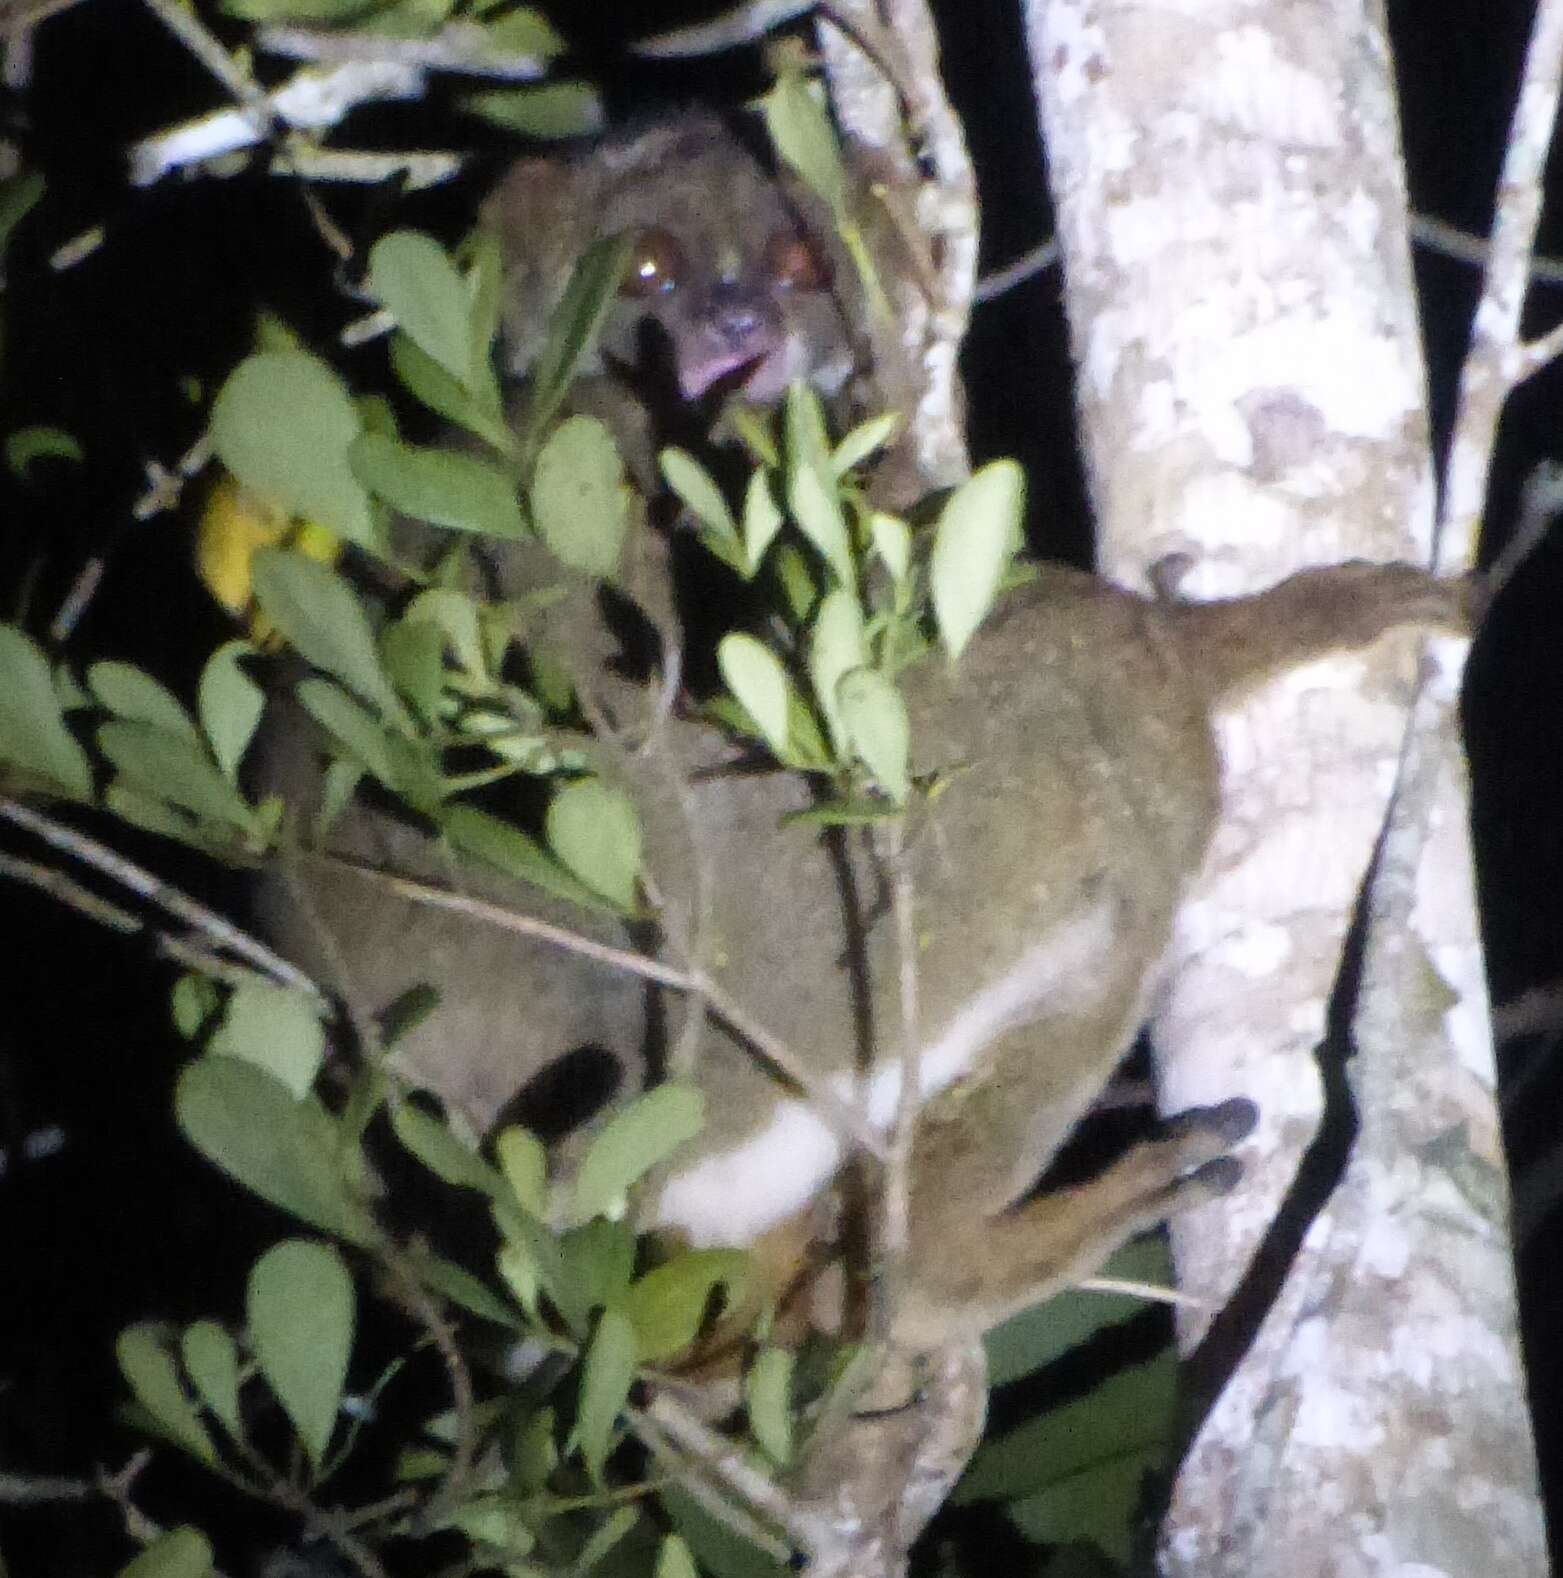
(743, 352)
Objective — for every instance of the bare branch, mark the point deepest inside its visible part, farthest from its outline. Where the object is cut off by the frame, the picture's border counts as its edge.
(1497, 361)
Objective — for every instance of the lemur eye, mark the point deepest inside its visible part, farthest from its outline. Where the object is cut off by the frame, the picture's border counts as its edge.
(795, 263)
(656, 265)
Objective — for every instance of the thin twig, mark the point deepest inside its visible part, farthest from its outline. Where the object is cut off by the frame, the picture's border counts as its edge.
(1496, 360)
(848, 1123)
(1032, 262)
(163, 894)
(664, 1418)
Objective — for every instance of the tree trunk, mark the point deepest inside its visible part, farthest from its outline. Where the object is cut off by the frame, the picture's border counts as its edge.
(1232, 214)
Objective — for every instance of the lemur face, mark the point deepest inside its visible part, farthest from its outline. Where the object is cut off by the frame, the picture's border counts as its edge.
(735, 275)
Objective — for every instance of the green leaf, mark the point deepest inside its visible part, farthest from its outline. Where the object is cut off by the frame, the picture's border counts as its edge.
(276, 1028)
(697, 489)
(130, 693)
(603, 1539)
(283, 1150)
(720, 1551)
(755, 676)
(801, 130)
(320, 617)
(212, 1363)
(179, 1553)
(768, 1399)
(892, 540)
(978, 532)
(551, 111)
(29, 444)
(193, 1001)
(413, 652)
(573, 330)
(579, 502)
(598, 1259)
(19, 194)
(441, 486)
(1130, 1412)
(874, 716)
(153, 1377)
(355, 731)
(230, 704)
(836, 646)
(175, 768)
(431, 1141)
(606, 1377)
(508, 849)
(282, 424)
(592, 827)
(674, 1559)
(456, 616)
(667, 1306)
(762, 519)
(523, 31)
(634, 1140)
(816, 507)
(33, 736)
(457, 1284)
(410, 274)
(524, 1163)
(495, 1521)
(447, 396)
(300, 1307)
(866, 439)
(1040, 1335)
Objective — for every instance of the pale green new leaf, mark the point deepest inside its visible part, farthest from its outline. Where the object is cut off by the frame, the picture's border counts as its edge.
(33, 736)
(762, 519)
(524, 1163)
(836, 647)
(448, 396)
(301, 1311)
(866, 439)
(874, 717)
(580, 507)
(282, 424)
(800, 127)
(551, 111)
(485, 837)
(212, 1363)
(755, 676)
(606, 1377)
(697, 489)
(674, 1559)
(978, 533)
(816, 507)
(592, 827)
(149, 1368)
(636, 1139)
(892, 540)
(668, 1304)
(768, 1400)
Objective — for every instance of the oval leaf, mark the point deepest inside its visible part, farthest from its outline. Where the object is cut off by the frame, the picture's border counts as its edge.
(836, 647)
(320, 617)
(606, 1377)
(874, 716)
(212, 1363)
(277, 1029)
(668, 1304)
(300, 1307)
(283, 1150)
(441, 486)
(128, 692)
(230, 704)
(149, 1368)
(410, 274)
(33, 736)
(579, 503)
(592, 827)
(755, 676)
(180, 1553)
(768, 1399)
(697, 490)
(634, 1141)
(282, 424)
(978, 532)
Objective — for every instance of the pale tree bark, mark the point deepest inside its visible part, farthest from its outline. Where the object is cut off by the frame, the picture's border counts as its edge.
(1232, 215)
